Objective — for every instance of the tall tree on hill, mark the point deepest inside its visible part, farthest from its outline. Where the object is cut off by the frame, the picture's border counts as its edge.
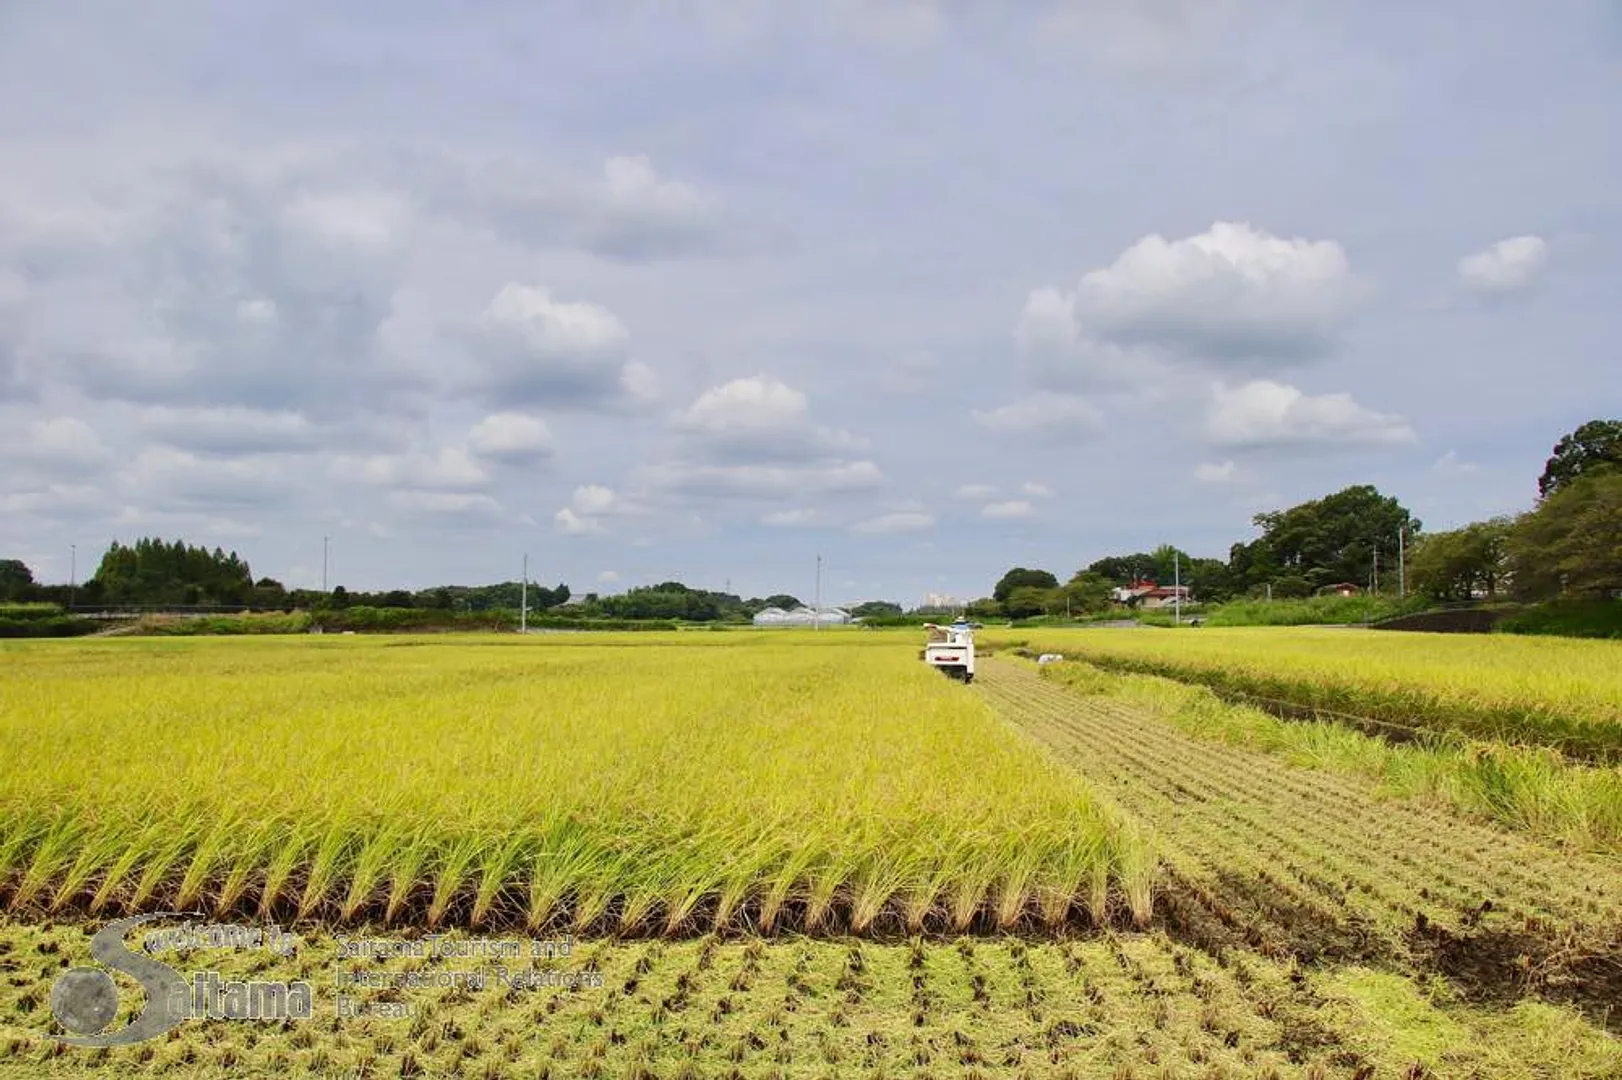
(1326, 540)
(1572, 542)
(1595, 447)
(1019, 578)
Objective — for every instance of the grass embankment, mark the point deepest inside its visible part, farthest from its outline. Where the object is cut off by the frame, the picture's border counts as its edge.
(42, 620)
(1568, 618)
(1561, 693)
(1530, 789)
(640, 783)
(1309, 611)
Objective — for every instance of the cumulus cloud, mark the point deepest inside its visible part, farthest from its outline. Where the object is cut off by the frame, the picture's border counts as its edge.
(783, 518)
(513, 438)
(608, 577)
(229, 430)
(766, 481)
(628, 212)
(531, 348)
(451, 468)
(1014, 508)
(1032, 487)
(1046, 415)
(162, 476)
(1509, 266)
(57, 445)
(1233, 294)
(1269, 414)
(1207, 472)
(905, 521)
(1450, 464)
(760, 419)
(976, 491)
(590, 509)
(472, 507)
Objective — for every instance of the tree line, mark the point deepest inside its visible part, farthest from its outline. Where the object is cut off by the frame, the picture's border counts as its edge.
(1569, 544)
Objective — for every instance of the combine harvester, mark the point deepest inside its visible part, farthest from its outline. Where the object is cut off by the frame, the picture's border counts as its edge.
(951, 649)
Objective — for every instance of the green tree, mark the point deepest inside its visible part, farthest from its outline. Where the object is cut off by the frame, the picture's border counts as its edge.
(1087, 592)
(15, 579)
(870, 608)
(1454, 565)
(784, 601)
(1019, 577)
(1572, 542)
(1323, 541)
(1593, 448)
(1028, 600)
(983, 608)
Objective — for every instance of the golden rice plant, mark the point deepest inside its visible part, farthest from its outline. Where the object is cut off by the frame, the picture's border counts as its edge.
(639, 783)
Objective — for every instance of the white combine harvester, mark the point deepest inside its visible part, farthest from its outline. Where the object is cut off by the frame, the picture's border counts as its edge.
(951, 649)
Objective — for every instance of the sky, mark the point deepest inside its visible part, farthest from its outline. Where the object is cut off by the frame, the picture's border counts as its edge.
(648, 291)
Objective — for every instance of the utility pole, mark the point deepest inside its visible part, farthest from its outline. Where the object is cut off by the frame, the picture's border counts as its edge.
(324, 542)
(816, 608)
(1177, 587)
(1402, 565)
(73, 572)
(1376, 578)
(523, 603)
(1269, 592)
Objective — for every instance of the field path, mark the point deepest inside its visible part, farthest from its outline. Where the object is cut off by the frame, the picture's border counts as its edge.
(1313, 865)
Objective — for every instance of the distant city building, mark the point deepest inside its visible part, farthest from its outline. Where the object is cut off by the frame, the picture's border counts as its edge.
(940, 600)
(803, 616)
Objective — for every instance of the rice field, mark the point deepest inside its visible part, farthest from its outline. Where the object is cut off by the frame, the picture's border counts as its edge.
(789, 855)
(1564, 693)
(609, 784)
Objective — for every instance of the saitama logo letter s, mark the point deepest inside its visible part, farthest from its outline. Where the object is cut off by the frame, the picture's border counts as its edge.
(85, 1000)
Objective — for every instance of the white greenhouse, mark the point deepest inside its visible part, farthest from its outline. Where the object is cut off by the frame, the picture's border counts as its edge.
(803, 616)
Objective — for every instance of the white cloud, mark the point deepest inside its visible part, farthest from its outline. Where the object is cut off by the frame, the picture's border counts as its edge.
(760, 419)
(1015, 508)
(452, 468)
(1044, 414)
(1234, 293)
(608, 577)
(531, 348)
(449, 504)
(510, 437)
(1450, 464)
(975, 491)
(789, 517)
(1033, 488)
(231, 430)
(58, 444)
(765, 481)
(1207, 472)
(1505, 267)
(166, 479)
(1264, 414)
(591, 507)
(910, 521)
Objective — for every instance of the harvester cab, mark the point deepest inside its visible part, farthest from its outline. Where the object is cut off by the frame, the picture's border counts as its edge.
(951, 649)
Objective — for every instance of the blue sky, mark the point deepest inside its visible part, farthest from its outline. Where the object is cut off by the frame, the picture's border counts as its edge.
(700, 291)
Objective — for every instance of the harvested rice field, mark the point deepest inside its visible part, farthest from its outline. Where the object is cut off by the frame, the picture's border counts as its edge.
(762, 854)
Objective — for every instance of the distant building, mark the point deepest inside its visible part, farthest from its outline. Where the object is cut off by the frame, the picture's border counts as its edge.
(1146, 594)
(933, 601)
(803, 616)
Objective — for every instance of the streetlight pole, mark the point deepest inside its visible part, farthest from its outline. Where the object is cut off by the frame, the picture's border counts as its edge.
(73, 572)
(324, 542)
(523, 603)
